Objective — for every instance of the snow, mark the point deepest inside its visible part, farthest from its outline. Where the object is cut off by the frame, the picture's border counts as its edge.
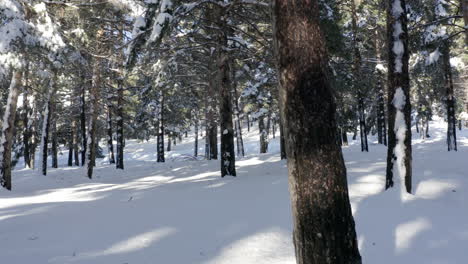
(400, 133)
(182, 211)
(433, 57)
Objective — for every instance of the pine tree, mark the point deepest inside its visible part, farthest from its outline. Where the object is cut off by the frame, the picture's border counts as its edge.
(323, 224)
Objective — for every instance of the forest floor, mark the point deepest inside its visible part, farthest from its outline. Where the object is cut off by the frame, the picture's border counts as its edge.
(183, 212)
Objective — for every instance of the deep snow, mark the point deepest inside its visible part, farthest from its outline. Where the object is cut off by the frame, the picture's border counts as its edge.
(183, 212)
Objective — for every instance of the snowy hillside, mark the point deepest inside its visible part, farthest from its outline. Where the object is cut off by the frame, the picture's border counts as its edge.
(183, 212)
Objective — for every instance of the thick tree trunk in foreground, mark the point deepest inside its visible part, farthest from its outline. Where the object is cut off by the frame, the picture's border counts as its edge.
(324, 230)
(8, 129)
(399, 107)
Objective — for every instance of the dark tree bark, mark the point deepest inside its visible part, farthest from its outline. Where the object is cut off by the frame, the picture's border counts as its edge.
(26, 123)
(195, 147)
(93, 115)
(399, 107)
(449, 99)
(381, 126)
(262, 128)
(324, 230)
(228, 157)
(71, 143)
(110, 144)
(169, 141)
(46, 123)
(84, 139)
(282, 141)
(344, 137)
(54, 147)
(120, 124)
(160, 139)
(8, 129)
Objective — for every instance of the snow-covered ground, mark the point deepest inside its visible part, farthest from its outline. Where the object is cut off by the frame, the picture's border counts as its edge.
(183, 212)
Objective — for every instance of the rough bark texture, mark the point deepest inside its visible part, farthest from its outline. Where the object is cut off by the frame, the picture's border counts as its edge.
(8, 129)
(324, 230)
(398, 79)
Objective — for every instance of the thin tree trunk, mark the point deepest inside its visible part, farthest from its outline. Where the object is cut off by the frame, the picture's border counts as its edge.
(282, 141)
(110, 144)
(324, 231)
(263, 135)
(160, 140)
(449, 100)
(195, 148)
(71, 143)
(27, 125)
(8, 129)
(46, 123)
(93, 114)
(344, 137)
(399, 107)
(120, 124)
(83, 121)
(464, 4)
(54, 146)
(169, 141)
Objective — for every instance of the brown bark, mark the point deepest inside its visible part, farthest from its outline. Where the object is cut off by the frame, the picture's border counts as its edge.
(324, 230)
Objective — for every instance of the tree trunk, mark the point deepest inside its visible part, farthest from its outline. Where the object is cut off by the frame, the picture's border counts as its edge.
(8, 129)
(26, 122)
(282, 141)
(228, 157)
(160, 140)
(324, 230)
(195, 148)
(46, 123)
(399, 107)
(381, 131)
(449, 100)
(93, 115)
(120, 124)
(54, 146)
(71, 143)
(263, 134)
(344, 137)
(83, 121)
(110, 144)
(169, 141)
